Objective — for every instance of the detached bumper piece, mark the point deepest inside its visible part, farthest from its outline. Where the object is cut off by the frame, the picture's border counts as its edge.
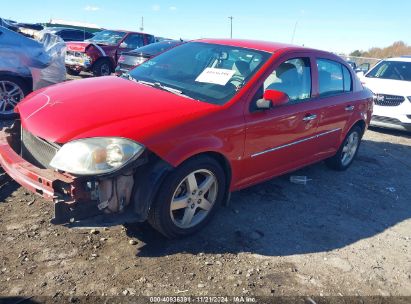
(66, 191)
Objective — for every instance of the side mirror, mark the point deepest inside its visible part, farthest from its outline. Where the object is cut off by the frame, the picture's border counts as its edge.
(123, 45)
(272, 98)
(364, 67)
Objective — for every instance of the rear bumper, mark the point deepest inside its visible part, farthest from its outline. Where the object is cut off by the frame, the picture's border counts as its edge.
(41, 181)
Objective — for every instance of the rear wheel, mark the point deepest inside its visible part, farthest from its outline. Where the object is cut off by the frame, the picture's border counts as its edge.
(347, 151)
(102, 68)
(12, 91)
(188, 198)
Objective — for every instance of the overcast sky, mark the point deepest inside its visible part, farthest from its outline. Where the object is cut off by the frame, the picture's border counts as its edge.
(339, 26)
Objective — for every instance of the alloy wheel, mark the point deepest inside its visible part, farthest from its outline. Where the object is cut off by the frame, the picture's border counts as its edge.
(194, 198)
(350, 148)
(10, 96)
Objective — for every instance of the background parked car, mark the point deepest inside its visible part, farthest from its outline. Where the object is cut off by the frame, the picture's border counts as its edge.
(67, 34)
(26, 64)
(100, 54)
(129, 60)
(390, 81)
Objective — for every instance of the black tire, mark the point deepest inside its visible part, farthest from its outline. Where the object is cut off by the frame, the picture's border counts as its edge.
(72, 72)
(160, 216)
(336, 162)
(102, 68)
(24, 87)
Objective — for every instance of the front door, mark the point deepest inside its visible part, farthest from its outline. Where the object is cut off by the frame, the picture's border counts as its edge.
(283, 137)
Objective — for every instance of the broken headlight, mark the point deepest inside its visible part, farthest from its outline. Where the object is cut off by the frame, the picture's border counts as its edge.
(97, 155)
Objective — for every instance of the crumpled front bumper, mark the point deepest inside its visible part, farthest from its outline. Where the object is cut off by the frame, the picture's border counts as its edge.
(40, 181)
(61, 188)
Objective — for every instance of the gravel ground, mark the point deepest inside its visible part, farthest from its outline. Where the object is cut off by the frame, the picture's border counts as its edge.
(344, 233)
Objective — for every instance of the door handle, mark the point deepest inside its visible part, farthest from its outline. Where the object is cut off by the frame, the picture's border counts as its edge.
(309, 117)
(349, 108)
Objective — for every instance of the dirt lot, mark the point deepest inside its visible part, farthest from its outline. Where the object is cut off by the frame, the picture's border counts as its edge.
(343, 233)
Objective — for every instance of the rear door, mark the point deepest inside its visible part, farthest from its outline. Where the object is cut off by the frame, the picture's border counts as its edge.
(283, 137)
(335, 85)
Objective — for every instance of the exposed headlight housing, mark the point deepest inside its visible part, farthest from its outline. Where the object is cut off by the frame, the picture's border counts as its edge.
(97, 155)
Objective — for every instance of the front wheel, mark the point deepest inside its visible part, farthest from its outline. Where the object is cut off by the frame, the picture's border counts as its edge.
(347, 151)
(102, 68)
(188, 197)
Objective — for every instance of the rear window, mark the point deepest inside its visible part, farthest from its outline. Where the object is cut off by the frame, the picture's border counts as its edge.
(394, 70)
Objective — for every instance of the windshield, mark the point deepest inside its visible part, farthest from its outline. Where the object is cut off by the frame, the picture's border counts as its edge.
(107, 37)
(158, 47)
(395, 70)
(203, 71)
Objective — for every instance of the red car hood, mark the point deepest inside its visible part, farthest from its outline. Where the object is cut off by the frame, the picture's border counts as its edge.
(106, 106)
(82, 46)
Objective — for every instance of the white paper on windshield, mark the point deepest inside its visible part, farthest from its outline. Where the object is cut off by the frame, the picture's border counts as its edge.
(215, 76)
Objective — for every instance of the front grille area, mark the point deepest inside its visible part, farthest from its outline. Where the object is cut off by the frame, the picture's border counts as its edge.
(75, 54)
(389, 120)
(37, 151)
(388, 100)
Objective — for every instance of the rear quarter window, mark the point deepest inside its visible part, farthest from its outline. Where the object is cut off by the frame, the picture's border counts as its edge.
(347, 79)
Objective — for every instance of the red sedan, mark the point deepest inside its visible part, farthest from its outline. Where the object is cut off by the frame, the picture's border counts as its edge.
(186, 128)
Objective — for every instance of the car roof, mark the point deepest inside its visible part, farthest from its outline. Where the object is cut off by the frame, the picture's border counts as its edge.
(266, 46)
(401, 59)
(125, 31)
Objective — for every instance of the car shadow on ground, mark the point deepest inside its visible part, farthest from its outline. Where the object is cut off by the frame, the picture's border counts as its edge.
(278, 218)
(7, 187)
(393, 132)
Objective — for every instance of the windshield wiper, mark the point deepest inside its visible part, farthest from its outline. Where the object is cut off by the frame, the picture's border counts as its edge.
(159, 86)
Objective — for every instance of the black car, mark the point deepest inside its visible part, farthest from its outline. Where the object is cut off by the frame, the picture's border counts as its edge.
(129, 60)
(67, 34)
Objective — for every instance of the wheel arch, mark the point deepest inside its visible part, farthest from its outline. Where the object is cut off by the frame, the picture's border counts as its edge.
(151, 176)
(105, 58)
(28, 80)
(221, 159)
(362, 124)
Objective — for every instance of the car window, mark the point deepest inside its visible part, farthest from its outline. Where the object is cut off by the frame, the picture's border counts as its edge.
(347, 79)
(395, 70)
(158, 47)
(89, 35)
(150, 39)
(330, 77)
(134, 41)
(64, 34)
(107, 37)
(292, 77)
(71, 35)
(204, 71)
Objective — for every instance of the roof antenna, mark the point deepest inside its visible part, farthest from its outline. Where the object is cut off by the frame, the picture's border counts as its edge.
(295, 28)
(142, 24)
